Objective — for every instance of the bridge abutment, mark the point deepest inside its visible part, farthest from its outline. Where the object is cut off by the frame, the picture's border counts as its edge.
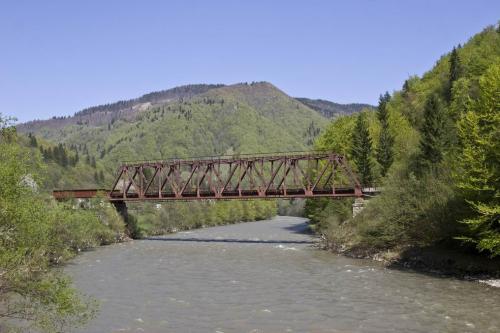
(358, 206)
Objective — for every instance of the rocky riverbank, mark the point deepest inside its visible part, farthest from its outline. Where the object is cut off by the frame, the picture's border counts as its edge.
(437, 260)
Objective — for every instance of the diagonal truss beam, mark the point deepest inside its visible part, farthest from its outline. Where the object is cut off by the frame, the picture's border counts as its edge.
(288, 175)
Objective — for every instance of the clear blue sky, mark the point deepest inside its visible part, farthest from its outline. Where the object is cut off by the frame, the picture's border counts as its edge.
(57, 57)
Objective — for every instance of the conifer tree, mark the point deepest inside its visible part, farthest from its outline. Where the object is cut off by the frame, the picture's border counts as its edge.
(361, 150)
(33, 141)
(432, 141)
(455, 71)
(385, 154)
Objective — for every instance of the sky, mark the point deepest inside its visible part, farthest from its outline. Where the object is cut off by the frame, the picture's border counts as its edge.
(58, 57)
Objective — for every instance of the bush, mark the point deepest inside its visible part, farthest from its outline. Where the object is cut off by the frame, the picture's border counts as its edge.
(412, 211)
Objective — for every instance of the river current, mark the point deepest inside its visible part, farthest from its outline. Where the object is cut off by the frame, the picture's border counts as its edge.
(268, 277)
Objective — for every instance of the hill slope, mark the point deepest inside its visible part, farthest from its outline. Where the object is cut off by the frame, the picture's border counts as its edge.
(331, 109)
(126, 109)
(443, 185)
(209, 120)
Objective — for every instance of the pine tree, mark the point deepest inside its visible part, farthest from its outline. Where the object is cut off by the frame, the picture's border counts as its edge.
(385, 154)
(92, 162)
(101, 176)
(455, 71)
(33, 141)
(432, 141)
(64, 156)
(361, 150)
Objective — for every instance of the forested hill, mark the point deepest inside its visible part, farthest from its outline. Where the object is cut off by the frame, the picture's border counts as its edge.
(331, 109)
(434, 147)
(192, 121)
(126, 109)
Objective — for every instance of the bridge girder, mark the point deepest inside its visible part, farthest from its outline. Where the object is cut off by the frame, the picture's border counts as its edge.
(285, 175)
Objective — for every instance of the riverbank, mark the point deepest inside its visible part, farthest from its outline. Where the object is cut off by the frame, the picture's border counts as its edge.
(437, 260)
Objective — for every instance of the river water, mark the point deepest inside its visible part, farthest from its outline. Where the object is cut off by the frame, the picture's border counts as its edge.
(267, 277)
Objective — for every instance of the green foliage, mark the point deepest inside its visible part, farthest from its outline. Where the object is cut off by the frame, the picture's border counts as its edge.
(175, 216)
(478, 173)
(134, 230)
(432, 141)
(361, 150)
(446, 159)
(385, 153)
(338, 136)
(36, 234)
(455, 72)
(412, 211)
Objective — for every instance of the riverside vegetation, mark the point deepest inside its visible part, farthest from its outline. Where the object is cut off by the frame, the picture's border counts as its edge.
(434, 148)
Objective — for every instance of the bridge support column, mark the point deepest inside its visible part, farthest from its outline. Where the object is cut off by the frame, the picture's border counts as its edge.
(121, 207)
(357, 206)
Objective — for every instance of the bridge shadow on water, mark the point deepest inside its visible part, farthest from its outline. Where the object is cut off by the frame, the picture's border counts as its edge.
(228, 240)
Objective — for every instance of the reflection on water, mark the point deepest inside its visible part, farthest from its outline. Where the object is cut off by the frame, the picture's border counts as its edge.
(267, 277)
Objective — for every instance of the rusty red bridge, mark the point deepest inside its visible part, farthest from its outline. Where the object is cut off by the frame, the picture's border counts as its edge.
(278, 175)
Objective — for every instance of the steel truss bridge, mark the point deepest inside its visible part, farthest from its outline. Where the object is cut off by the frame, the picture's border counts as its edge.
(278, 175)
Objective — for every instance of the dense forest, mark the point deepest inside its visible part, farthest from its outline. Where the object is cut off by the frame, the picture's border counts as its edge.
(434, 148)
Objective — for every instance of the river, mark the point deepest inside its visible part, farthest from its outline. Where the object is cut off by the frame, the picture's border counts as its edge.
(268, 277)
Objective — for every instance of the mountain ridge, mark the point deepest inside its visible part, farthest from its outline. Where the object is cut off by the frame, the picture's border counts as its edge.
(129, 108)
(331, 109)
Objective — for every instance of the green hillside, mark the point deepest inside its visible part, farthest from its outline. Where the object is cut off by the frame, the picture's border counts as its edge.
(331, 109)
(242, 118)
(434, 147)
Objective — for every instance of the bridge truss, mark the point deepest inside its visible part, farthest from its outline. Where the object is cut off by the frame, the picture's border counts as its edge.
(281, 175)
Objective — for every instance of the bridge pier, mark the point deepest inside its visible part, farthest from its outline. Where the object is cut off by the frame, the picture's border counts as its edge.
(358, 206)
(121, 208)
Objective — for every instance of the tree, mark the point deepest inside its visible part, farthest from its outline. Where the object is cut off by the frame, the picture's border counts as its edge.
(63, 156)
(33, 297)
(385, 154)
(406, 88)
(361, 149)
(33, 141)
(76, 159)
(432, 141)
(479, 167)
(454, 74)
